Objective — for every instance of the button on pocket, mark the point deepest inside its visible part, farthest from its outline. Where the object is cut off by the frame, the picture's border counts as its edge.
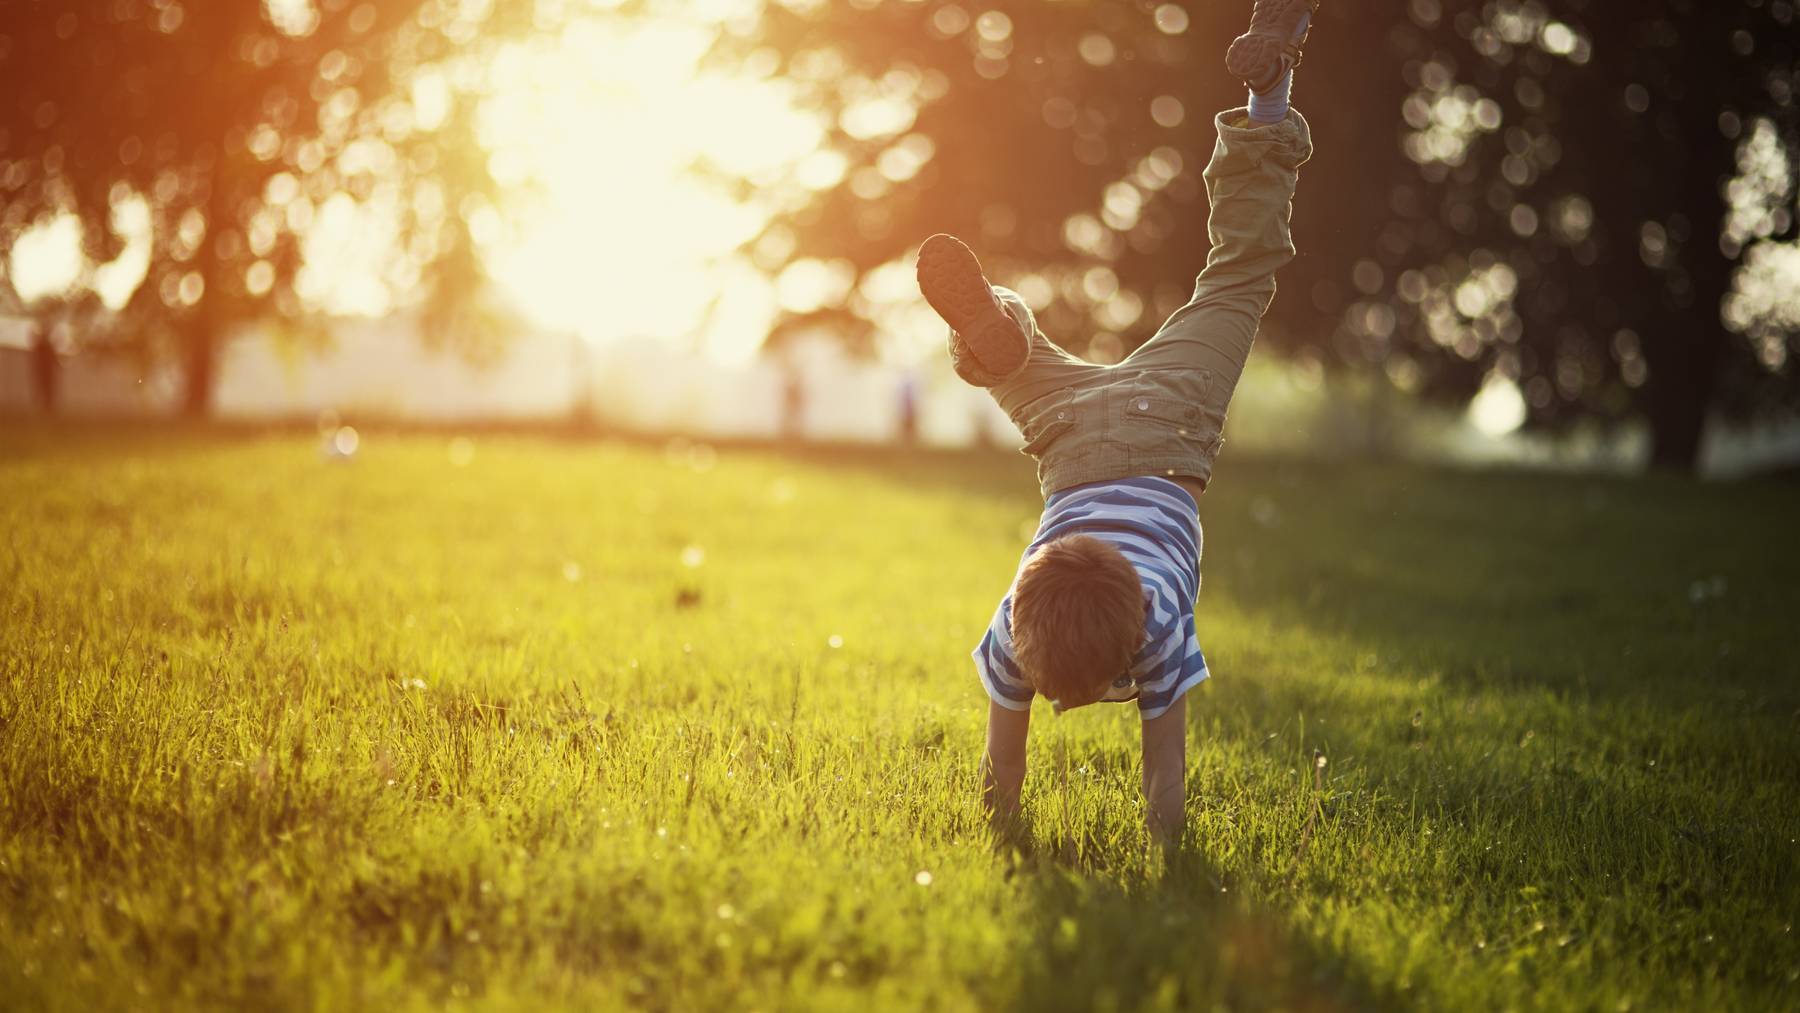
(1168, 411)
(1044, 421)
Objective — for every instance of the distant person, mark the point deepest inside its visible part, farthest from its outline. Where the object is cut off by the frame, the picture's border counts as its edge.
(793, 402)
(1102, 606)
(982, 428)
(44, 368)
(909, 409)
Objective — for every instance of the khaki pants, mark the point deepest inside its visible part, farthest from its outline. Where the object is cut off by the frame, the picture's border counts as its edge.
(1161, 410)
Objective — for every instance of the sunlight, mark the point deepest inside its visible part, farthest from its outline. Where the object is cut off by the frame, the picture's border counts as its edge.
(598, 132)
(46, 260)
(1499, 408)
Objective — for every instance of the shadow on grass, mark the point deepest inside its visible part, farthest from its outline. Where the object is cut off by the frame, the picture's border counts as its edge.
(1570, 688)
(1662, 591)
(1173, 937)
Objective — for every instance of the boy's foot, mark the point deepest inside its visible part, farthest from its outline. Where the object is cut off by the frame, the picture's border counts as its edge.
(1271, 48)
(951, 279)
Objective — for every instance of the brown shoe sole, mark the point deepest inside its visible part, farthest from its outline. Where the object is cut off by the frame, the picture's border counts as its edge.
(951, 279)
(1258, 55)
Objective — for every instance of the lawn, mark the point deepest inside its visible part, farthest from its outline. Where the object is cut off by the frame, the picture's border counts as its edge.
(514, 721)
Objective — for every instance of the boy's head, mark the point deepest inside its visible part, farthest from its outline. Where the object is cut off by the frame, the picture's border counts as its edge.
(1077, 618)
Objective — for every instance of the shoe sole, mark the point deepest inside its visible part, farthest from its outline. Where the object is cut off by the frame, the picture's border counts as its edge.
(1251, 57)
(1254, 54)
(953, 284)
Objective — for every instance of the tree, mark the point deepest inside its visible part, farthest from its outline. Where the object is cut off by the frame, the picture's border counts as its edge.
(1579, 228)
(233, 123)
(1064, 140)
(1493, 191)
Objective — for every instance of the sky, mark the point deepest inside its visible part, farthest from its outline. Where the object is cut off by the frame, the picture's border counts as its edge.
(619, 239)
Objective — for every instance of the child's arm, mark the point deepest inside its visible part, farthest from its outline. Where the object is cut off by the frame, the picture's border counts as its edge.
(1165, 763)
(1003, 766)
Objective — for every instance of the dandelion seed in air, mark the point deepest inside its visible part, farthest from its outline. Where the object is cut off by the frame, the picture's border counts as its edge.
(923, 878)
(693, 556)
(834, 641)
(1265, 513)
(342, 443)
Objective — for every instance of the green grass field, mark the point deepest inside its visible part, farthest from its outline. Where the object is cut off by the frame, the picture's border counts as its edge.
(592, 724)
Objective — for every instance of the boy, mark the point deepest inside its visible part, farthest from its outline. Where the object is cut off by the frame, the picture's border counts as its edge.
(1102, 607)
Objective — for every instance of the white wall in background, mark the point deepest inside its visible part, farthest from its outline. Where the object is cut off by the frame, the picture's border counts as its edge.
(381, 367)
(658, 387)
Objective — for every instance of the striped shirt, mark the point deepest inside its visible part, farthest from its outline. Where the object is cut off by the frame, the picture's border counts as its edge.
(1156, 525)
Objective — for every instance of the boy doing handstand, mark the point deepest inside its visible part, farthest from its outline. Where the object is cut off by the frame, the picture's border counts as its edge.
(1102, 606)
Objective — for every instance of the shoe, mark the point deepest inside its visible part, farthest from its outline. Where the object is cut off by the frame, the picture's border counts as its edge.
(1271, 47)
(951, 279)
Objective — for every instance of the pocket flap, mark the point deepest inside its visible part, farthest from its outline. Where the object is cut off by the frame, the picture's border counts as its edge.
(1046, 419)
(1036, 442)
(1167, 410)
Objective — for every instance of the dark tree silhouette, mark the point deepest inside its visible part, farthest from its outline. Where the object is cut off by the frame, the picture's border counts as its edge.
(1533, 189)
(1595, 184)
(234, 122)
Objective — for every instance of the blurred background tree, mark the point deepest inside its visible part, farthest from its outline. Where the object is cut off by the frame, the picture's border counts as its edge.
(197, 143)
(1594, 205)
(1603, 190)
(1592, 202)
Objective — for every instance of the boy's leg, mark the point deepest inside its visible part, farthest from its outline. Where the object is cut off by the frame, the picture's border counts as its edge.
(994, 340)
(1250, 185)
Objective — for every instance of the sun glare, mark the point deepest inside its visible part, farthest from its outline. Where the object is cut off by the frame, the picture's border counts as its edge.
(597, 132)
(1499, 408)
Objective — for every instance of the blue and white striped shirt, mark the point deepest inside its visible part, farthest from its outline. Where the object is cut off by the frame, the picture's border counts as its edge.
(1155, 523)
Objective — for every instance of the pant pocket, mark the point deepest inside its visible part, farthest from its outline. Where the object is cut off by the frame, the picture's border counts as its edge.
(1044, 421)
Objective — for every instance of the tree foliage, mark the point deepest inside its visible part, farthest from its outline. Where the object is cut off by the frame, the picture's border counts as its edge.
(1599, 182)
(234, 124)
(1534, 189)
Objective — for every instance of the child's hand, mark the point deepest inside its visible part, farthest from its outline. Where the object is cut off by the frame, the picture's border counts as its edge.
(1003, 765)
(1165, 767)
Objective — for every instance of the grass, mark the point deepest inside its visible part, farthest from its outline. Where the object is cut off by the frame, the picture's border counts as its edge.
(592, 724)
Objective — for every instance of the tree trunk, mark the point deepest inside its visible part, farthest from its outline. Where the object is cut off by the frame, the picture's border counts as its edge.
(45, 370)
(1677, 416)
(200, 363)
(206, 328)
(1692, 346)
